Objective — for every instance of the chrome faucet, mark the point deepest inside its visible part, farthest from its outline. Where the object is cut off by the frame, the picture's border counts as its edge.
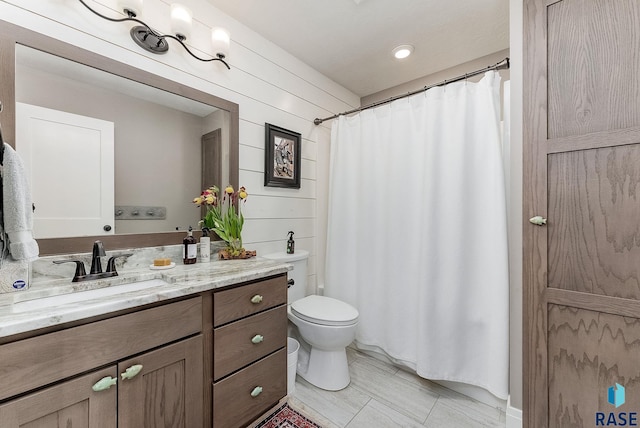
(96, 265)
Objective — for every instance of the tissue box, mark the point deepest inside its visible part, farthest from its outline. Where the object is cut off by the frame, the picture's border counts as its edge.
(14, 275)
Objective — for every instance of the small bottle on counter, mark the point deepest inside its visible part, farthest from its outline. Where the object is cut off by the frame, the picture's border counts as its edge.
(205, 246)
(291, 244)
(189, 248)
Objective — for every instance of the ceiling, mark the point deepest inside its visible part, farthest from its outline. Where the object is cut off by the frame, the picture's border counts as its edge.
(350, 41)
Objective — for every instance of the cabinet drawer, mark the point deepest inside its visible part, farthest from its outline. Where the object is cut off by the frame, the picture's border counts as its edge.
(233, 347)
(230, 305)
(233, 405)
(41, 360)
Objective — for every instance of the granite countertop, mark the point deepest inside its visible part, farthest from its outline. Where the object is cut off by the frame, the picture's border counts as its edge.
(183, 280)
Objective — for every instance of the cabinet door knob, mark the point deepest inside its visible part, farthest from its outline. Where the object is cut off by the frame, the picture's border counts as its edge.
(538, 220)
(257, 339)
(256, 299)
(256, 391)
(104, 383)
(131, 372)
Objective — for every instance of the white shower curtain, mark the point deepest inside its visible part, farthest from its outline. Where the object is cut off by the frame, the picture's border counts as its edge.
(417, 232)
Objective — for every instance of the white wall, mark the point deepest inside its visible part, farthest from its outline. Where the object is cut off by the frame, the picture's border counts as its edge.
(516, 216)
(267, 83)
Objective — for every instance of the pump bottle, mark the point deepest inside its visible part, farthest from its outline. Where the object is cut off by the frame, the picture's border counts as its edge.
(291, 244)
(189, 248)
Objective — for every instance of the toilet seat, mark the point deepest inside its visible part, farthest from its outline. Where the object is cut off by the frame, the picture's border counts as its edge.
(324, 310)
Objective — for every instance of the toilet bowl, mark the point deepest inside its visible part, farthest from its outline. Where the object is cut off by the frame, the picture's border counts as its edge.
(325, 325)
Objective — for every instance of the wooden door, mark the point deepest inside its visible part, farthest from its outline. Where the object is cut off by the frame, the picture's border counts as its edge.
(167, 392)
(74, 201)
(212, 159)
(69, 404)
(581, 280)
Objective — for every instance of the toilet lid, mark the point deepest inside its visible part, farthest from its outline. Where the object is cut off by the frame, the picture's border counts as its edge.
(324, 310)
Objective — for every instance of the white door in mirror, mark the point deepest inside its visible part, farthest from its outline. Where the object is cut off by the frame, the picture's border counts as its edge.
(68, 201)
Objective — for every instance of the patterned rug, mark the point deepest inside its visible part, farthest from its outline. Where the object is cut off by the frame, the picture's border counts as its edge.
(286, 417)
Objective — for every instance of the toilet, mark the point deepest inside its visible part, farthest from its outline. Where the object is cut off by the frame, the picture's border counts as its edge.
(325, 325)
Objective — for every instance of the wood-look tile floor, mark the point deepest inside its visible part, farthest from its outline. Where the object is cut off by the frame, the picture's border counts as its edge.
(381, 395)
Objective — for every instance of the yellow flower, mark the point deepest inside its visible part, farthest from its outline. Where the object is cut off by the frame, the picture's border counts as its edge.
(223, 214)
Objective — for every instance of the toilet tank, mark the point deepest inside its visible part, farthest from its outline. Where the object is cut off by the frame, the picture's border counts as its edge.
(299, 273)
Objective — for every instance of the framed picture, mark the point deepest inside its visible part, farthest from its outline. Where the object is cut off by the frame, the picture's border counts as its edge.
(282, 157)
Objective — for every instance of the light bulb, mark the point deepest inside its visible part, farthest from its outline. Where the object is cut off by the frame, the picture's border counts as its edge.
(135, 6)
(402, 51)
(181, 21)
(220, 40)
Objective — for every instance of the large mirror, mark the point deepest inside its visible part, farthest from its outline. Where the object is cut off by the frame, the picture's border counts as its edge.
(113, 153)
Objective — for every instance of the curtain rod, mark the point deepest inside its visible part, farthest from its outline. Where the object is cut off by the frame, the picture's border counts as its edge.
(502, 65)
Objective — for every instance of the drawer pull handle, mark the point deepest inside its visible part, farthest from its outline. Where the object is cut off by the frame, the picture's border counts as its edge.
(256, 391)
(131, 372)
(257, 339)
(104, 383)
(256, 299)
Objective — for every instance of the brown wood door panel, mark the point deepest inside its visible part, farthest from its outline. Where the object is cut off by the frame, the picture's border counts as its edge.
(588, 353)
(211, 143)
(581, 170)
(167, 392)
(594, 232)
(594, 61)
(69, 404)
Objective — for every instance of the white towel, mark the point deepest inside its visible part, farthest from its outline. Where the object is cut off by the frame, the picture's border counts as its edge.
(17, 207)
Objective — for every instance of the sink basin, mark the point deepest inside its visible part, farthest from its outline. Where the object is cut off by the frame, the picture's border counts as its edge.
(79, 296)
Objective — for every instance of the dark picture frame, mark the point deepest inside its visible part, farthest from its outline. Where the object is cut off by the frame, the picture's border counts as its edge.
(282, 157)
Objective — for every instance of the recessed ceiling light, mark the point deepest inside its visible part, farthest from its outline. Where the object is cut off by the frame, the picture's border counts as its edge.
(402, 51)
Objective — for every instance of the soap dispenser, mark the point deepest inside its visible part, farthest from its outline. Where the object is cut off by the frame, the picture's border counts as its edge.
(205, 246)
(189, 248)
(291, 244)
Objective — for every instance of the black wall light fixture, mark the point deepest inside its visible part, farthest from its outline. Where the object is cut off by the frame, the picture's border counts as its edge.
(181, 19)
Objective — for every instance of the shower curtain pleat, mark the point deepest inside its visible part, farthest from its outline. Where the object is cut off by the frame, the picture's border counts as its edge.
(417, 232)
